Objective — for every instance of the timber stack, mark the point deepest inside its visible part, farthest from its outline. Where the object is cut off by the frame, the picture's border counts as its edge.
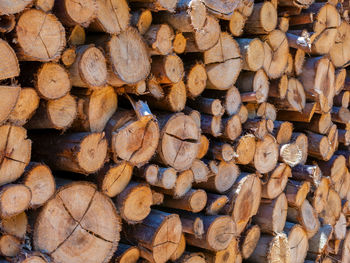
(188, 131)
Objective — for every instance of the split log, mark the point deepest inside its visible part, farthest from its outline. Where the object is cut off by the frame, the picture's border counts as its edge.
(126, 254)
(341, 46)
(318, 243)
(244, 149)
(157, 237)
(263, 19)
(89, 68)
(282, 131)
(26, 105)
(111, 16)
(218, 233)
(321, 194)
(141, 19)
(15, 226)
(249, 240)
(266, 154)
(51, 42)
(14, 7)
(271, 248)
(95, 108)
(76, 207)
(334, 168)
(276, 181)
(298, 242)
(182, 185)
(272, 214)
(9, 67)
(14, 199)
(15, 153)
(82, 153)
(79, 12)
(178, 146)
(54, 114)
(113, 178)
(39, 179)
(296, 192)
(306, 216)
(131, 138)
(193, 201)
(9, 97)
(215, 203)
(159, 39)
(252, 53)
(134, 202)
(244, 200)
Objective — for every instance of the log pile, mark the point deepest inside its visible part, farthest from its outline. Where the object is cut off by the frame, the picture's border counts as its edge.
(174, 130)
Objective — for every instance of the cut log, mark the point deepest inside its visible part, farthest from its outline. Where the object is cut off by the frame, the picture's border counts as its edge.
(321, 194)
(13, 7)
(221, 177)
(320, 123)
(301, 140)
(278, 87)
(159, 39)
(15, 226)
(342, 99)
(246, 7)
(113, 178)
(266, 111)
(9, 96)
(126, 254)
(14, 199)
(252, 53)
(318, 243)
(167, 69)
(220, 151)
(207, 105)
(39, 179)
(272, 249)
(132, 139)
(276, 182)
(276, 53)
(179, 43)
(266, 154)
(304, 116)
(26, 105)
(82, 153)
(249, 240)
(221, 9)
(51, 41)
(203, 147)
(272, 214)
(15, 151)
(89, 68)
(155, 5)
(215, 203)
(10, 246)
(282, 131)
(193, 201)
(182, 185)
(291, 154)
(310, 173)
(95, 108)
(191, 258)
(231, 128)
(9, 67)
(134, 202)
(229, 254)
(339, 82)
(178, 146)
(52, 81)
(45, 5)
(68, 56)
(341, 46)
(236, 23)
(306, 216)
(77, 36)
(195, 79)
(334, 168)
(157, 237)
(298, 242)
(339, 232)
(76, 206)
(319, 145)
(244, 200)
(218, 233)
(263, 19)
(54, 114)
(111, 16)
(142, 20)
(79, 12)
(200, 171)
(163, 177)
(296, 192)
(332, 208)
(180, 249)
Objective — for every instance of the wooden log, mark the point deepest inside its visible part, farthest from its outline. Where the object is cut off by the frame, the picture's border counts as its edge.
(26, 105)
(220, 151)
(131, 138)
(180, 249)
(111, 16)
(207, 105)
(211, 125)
(259, 127)
(276, 182)
(236, 23)
(141, 19)
(9, 67)
(183, 184)
(68, 56)
(244, 199)
(334, 168)
(320, 123)
(252, 53)
(134, 202)
(79, 12)
(339, 229)
(278, 87)
(254, 86)
(319, 145)
(283, 23)
(83, 153)
(263, 19)
(14, 6)
(77, 205)
(341, 44)
(296, 192)
(193, 201)
(270, 248)
(310, 173)
(167, 69)
(221, 9)
(7, 23)
(157, 237)
(318, 243)
(304, 116)
(289, 68)
(48, 46)
(163, 177)
(301, 140)
(340, 115)
(89, 68)
(282, 131)
(214, 227)
(191, 257)
(126, 254)
(246, 7)
(9, 246)
(291, 154)
(342, 99)
(15, 226)
(195, 79)
(332, 208)
(16, 153)
(266, 154)
(339, 82)
(14, 199)
(95, 108)
(249, 240)
(178, 141)
(276, 53)
(45, 5)
(230, 253)
(39, 179)
(298, 242)
(204, 39)
(203, 147)
(306, 216)
(272, 214)
(54, 114)
(266, 111)
(215, 203)
(9, 98)
(159, 39)
(244, 148)
(221, 177)
(155, 5)
(231, 128)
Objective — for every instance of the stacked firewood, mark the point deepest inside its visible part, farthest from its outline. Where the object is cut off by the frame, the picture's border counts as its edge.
(189, 131)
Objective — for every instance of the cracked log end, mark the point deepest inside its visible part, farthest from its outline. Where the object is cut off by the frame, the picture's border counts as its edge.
(68, 229)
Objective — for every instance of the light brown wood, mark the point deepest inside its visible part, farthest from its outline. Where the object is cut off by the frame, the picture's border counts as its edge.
(263, 19)
(318, 243)
(296, 192)
(9, 67)
(126, 254)
(215, 203)
(236, 23)
(9, 246)
(193, 201)
(77, 205)
(14, 199)
(14, 7)
(244, 148)
(159, 39)
(141, 19)
(45, 5)
(298, 242)
(266, 154)
(15, 226)
(229, 254)
(283, 131)
(249, 240)
(252, 53)
(276, 182)
(9, 96)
